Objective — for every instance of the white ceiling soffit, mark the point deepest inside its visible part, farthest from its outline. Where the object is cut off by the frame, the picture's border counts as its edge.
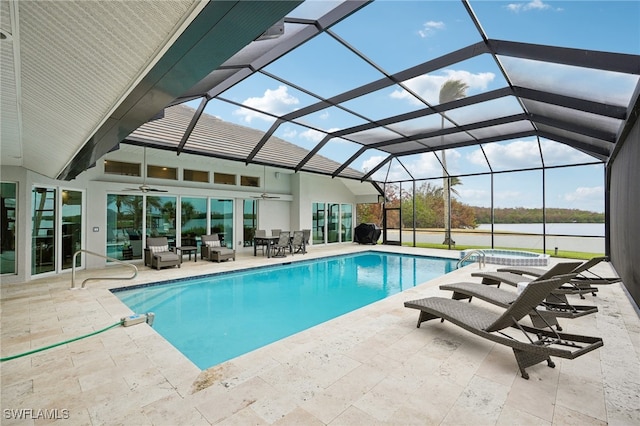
(67, 65)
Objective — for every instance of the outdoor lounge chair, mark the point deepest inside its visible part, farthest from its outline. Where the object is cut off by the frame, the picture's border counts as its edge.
(558, 296)
(282, 245)
(584, 279)
(546, 314)
(158, 255)
(212, 249)
(530, 345)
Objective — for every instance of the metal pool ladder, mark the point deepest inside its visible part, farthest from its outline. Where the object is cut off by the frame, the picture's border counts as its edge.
(73, 269)
(481, 258)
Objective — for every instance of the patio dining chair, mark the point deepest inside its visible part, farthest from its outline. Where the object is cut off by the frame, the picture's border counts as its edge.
(282, 245)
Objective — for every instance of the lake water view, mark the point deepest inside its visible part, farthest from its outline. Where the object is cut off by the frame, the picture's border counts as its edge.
(582, 229)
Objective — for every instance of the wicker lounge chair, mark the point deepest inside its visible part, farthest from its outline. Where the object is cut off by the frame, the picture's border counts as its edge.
(282, 245)
(585, 278)
(558, 296)
(158, 255)
(530, 345)
(546, 314)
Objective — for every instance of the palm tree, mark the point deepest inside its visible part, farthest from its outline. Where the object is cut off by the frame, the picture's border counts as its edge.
(450, 91)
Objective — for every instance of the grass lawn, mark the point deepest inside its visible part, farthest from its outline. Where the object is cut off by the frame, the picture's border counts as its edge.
(561, 253)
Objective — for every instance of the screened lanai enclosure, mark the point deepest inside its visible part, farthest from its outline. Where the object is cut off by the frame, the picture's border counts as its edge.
(508, 121)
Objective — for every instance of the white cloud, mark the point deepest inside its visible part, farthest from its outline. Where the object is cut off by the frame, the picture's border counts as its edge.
(372, 162)
(517, 154)
(532, 5)
(424, 165)
(324, 115)
(312, 135)
(430, 27)
(277, 101)
(581, 194)
(474, 197)
(289, 133)
(428, 86)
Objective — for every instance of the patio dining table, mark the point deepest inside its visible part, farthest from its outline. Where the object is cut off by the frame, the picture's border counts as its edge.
(264, 241)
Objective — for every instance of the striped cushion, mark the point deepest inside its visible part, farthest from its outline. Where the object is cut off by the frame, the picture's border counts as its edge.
(159, 249)
(215, 243)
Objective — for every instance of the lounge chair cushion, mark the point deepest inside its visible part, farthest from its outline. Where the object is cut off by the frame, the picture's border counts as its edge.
(159, 249)
(166, 256)
(215, 243)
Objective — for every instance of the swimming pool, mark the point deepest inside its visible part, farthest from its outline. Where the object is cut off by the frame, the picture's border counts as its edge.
(215, 318)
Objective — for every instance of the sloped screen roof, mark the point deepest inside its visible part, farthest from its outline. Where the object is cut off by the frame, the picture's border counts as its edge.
(356, 88)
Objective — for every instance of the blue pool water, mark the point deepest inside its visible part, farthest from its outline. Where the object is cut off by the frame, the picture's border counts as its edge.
(215, 318)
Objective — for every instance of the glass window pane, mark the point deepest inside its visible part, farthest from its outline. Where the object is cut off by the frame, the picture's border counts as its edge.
(333, 223)
(224, 178)
(124, 226)
(193, 220)
(43, 245)
(346, 220)
(71, 216)
(317, 223)
(249, 221)
(221, 220)
(161, 218)
(252, 181)
(195, 176)
(121, 168)
(8, 217)
(162, 172)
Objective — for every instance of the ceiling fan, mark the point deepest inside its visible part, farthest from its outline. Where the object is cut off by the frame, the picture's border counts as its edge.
(144, 187)
(264, 195)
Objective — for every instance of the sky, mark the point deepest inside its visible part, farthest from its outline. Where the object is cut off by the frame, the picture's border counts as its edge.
(396, 35)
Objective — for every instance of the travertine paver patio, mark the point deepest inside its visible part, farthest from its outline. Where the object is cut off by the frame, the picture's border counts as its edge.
(372, 366)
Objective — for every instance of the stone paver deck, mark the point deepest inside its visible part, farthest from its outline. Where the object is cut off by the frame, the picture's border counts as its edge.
(371, 366)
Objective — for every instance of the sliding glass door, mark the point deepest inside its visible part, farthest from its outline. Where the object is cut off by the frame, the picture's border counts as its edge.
(222, 220)
(8, 210)
(71, 218)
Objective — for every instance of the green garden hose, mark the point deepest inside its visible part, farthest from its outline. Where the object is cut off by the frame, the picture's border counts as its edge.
(60, 343)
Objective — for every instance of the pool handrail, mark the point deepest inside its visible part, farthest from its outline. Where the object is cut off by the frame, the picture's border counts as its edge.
(481, 258)
(73, 269)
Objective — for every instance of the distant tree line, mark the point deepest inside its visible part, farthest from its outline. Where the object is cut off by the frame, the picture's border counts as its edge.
(525, 215)
(429, 211)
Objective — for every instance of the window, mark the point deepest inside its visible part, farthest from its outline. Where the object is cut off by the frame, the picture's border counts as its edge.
(71, 217)
(8, 227)
(43, 233)
(193, 220)
(124, 226)
(121, 168)
(224, 178)
(249, 221)
(161, 218)
(195, 176)
(251, 181)
(162, 172)
(221, 220)
(317, 223)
